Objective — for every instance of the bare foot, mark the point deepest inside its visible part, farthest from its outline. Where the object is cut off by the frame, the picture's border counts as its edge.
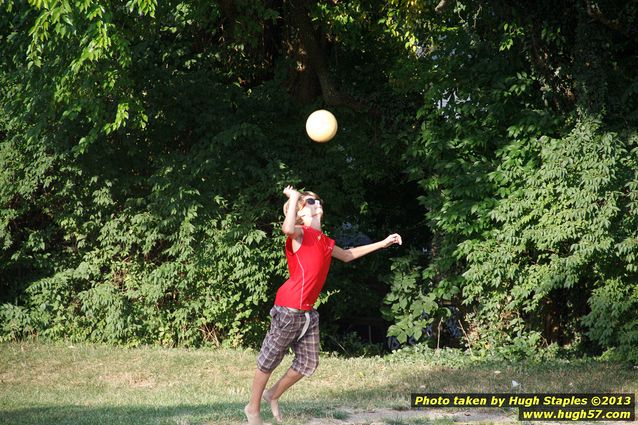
(274, 405)
(253, 418)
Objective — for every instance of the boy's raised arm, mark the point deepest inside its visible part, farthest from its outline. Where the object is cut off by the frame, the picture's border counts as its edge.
(288, 226)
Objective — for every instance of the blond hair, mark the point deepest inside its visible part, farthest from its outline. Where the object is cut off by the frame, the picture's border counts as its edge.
(300, 203)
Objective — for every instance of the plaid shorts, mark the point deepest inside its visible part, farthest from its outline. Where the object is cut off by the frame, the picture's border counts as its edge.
(285, 328)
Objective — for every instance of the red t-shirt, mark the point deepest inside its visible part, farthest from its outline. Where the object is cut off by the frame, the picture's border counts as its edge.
(308, 270)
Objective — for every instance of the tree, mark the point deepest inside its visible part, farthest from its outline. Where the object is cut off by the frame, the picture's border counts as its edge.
(527, 155)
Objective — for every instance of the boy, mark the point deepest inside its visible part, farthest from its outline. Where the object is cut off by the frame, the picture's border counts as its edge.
(294, 322)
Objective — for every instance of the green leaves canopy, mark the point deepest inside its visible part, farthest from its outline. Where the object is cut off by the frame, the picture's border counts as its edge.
(528, 161)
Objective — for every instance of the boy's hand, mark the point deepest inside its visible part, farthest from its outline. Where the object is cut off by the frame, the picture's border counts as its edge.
(392, 239)
(291, 192)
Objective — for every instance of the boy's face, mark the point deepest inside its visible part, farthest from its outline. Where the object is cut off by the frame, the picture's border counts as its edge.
(312, 206)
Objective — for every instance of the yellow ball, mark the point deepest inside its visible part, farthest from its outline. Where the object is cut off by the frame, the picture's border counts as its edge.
(321, 126)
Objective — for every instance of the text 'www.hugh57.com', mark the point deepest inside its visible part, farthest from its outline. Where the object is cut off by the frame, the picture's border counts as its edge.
(541, 407)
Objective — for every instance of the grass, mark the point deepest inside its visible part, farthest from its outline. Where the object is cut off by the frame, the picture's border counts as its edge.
(43, 383)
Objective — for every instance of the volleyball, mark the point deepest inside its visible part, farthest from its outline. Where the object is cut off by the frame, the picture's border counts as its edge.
(321, 126)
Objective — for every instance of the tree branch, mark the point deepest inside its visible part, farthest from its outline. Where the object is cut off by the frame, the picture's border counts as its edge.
(593, 10)
(443, 4)
(317, 58)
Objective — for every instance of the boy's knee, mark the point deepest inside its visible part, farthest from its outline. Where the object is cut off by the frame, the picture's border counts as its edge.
(264, 369)
(267, 361)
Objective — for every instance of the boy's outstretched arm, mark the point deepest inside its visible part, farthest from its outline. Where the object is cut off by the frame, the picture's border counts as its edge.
(347, 255)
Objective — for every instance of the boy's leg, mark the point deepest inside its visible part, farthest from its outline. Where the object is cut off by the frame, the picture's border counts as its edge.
(253, 407)
(272, 395)
(281, 335)
(305, 362)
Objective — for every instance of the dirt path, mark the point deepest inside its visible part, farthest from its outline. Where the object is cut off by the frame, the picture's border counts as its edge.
(470, 416)
(389, 416)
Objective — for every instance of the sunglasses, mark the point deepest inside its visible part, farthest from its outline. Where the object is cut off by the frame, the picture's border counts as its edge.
(311, 201)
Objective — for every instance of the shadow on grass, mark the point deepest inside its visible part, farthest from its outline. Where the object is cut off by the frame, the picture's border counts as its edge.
(97, 415)
(206, 414)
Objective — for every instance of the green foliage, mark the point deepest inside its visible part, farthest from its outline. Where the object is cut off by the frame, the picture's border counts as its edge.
(410, 305)
(16, 322)
(528, 165)
(518, 354)
(612, 322)
(349, 345)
